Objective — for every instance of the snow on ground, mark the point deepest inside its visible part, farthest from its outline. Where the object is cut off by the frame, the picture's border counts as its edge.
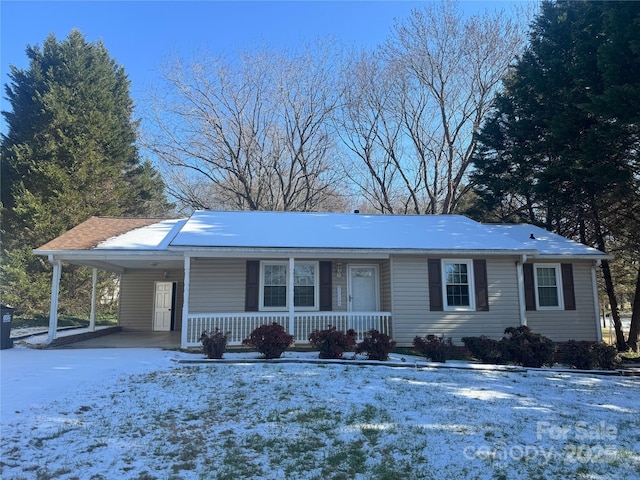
(140, 414)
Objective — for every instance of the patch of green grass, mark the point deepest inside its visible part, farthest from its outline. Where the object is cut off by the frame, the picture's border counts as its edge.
(93, 446)
(235, 464)
(345, 460)
(39, 442)
(64, 320)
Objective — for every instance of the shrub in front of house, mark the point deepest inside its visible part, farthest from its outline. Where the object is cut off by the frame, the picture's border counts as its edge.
(270, 340)
(214, 344)
(605, 356)
(485, 349)
(578, 355)
(523, 347)
(432, 347)
(376, 345)
(332, 343)
(590, 355)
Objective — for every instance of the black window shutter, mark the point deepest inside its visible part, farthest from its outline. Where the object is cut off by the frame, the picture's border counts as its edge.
(435, 285)
(481, 285)
(252, 286)
(529, 287)
(567, 287)
(326, 302)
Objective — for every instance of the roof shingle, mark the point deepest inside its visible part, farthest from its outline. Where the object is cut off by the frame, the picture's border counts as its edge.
(95, 230)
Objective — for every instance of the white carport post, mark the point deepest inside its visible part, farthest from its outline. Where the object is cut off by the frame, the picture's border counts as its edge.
(185, 302)
(94, 294)
(55, 290)
(290, 288)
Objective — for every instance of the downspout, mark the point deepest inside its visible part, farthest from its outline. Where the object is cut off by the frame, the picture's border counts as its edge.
(55, 291)
(596, 300)
(94, 295)
(290, 295)
(521, 300)
(185, 301)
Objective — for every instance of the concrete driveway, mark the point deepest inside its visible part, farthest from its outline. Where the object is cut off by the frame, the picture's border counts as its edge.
(124, 339)
(105, 337)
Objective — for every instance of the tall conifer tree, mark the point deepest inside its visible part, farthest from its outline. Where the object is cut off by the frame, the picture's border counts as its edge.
(561, 148)
(69, 153)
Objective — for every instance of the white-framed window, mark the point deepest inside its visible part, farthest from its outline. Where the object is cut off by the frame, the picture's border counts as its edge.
(274, 283)
(457, 285)
(548, 283)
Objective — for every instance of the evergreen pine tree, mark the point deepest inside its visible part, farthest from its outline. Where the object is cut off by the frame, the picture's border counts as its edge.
(557, 143)
(69, 153)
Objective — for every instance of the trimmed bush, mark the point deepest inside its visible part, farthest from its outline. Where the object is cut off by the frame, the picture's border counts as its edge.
(270, 340)
(578, 355)
(214, 344)
(376, 345)
(605, 356)
(332, 343)
(431, 346)
(484, 349)
(591, 355)
(523, 347)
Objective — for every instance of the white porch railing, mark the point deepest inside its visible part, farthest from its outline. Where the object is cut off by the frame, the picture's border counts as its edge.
(240, 325)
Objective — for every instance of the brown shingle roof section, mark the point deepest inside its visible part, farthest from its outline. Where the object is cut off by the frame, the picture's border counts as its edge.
(95, 230)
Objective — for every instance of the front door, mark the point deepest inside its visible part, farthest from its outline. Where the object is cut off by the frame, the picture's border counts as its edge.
(363, 288)
(162, 307)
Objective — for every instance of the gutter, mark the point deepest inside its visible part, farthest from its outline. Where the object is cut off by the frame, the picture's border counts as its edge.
(573, 256)
(102, 254)
(213, 251)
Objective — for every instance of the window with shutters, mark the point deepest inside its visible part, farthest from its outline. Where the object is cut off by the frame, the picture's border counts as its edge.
(547, 287)
(274, 282)
(457, 285)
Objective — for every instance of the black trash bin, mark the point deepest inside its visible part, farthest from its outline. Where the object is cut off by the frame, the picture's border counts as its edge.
(7, 318)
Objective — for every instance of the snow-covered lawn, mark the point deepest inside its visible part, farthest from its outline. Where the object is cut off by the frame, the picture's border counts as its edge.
(139, 414)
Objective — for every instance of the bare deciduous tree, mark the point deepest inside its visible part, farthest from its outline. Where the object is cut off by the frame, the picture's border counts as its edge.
(412, 109)
(249, 134)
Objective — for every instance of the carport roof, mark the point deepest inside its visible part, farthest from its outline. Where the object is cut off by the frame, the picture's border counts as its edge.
(90, 233)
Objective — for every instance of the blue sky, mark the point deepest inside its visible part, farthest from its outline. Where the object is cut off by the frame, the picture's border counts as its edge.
(138, 35)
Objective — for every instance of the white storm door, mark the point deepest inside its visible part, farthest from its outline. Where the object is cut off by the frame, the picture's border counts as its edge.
(162, 306)
(363, 288)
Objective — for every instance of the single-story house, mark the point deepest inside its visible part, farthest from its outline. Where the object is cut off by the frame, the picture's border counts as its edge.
(405, 275)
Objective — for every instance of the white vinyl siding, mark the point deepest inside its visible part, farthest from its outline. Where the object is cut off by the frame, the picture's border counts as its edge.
(411, 316)
(217, 285)
(564, 325)
(135, 311)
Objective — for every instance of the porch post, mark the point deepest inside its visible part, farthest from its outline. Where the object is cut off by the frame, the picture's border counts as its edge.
(521, 300)
(290, 296)
(55, 290)
(185, 302)
(94, 292)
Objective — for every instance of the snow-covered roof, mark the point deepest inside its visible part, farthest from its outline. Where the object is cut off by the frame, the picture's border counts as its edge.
(545, 242)
(337, 231)
(219, 231)
(150, 237)
(210, 229)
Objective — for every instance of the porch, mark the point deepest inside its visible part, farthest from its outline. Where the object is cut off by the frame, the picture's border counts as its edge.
(298, 324)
